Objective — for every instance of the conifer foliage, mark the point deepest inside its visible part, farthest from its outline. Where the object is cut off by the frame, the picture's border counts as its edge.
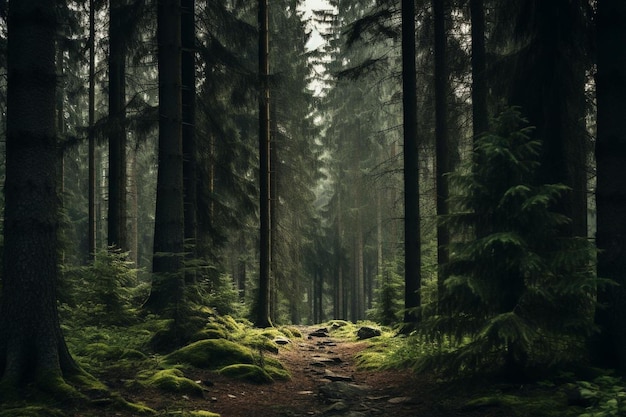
(519, 294)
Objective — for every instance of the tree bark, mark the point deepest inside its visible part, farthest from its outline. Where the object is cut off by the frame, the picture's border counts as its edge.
(32, 347)
(480, 114)
(412, 251)
(609, 348)
(263, 305)
(116, 231)
(91, 218)
(554, 65)
(443, 164)
(167, 266)
(190, 182)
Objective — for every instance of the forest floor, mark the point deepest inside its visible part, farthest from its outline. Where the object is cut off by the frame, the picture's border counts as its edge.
(325, 381)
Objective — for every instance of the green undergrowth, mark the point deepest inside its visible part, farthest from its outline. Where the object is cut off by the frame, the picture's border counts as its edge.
(584, 393)
(221, 344)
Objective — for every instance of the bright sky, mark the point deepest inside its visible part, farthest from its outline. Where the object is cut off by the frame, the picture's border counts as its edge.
(309, 6)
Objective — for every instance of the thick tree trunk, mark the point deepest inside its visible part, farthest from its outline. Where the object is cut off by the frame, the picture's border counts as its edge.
(609, 349)
(32, 347)
(412, 257)
(190, 183)
(117, 234)
(554, 65)
(167, 266)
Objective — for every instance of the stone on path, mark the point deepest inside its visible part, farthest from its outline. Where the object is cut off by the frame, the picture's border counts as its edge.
(323, 332)
(331, 376)
(367, 332)
(343, 390)
(280, 340)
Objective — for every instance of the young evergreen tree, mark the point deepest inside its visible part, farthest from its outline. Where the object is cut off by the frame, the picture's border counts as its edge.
(519, 295)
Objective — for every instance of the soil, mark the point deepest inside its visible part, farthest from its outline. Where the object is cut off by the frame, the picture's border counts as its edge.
(322, 369)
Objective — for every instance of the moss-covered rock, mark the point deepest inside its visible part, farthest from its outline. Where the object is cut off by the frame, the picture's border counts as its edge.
(291, 332)
(173, 380)
(277, 373)
(211, 354)
(247, 372)
(208, 334)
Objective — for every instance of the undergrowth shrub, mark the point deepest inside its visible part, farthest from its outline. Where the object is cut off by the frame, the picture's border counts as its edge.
(106, 292)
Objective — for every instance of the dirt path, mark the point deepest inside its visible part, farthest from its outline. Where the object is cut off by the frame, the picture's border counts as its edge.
(325, 381)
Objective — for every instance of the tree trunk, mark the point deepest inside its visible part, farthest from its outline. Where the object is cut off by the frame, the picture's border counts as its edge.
(554, 65)
(610, 347)
(263, 305)
(91, 220)
(190, 183)
(441, 138)
(117, 127)
(32, 347)
(412, 253)
(167, 265)
(480, 114)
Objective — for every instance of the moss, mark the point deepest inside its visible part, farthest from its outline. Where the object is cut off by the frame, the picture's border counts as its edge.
(32, 411)
(278, 373)
(211, 354)
(209, 334)
(538, 404)
(202, 413)
(229, 323)
(247, 372)
(135, 408)
(133, 354)
(54, 384)
(102, 351)
(173, 380)
(291, 332)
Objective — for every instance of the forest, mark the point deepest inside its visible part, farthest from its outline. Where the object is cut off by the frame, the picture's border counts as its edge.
(430, 190)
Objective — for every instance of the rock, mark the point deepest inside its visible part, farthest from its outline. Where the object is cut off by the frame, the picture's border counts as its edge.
(280, 340)
(400, 400)
(336, 407)
(331, 376)
(323, 332)
(343, 390)
(367, 332)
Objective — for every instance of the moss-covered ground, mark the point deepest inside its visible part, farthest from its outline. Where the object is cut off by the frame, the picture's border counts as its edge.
(136, 380)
